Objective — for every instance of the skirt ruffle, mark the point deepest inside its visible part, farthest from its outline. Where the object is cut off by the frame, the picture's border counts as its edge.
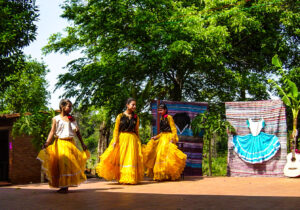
(256, 149)
(123, 161)
(163, 159)
(63, 163)
(149, 153)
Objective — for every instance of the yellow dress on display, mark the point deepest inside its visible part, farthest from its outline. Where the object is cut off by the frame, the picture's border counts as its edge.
(123, 159)
(62, 162)
(162, 158)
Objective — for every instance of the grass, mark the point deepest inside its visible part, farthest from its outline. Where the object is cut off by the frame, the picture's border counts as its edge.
(219, 165)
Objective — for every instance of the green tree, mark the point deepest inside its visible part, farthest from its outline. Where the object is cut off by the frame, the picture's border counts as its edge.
(178, 50)
(27, 91)
(90, 121)
(17, 30)
(257, 29)
(36, 124)
(293, 75)
(172, 49)
(27, 94)
(289, 94)
(215, 129)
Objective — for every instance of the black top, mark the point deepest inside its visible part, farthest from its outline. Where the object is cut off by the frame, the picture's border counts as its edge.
(164, 125)
(126, 124)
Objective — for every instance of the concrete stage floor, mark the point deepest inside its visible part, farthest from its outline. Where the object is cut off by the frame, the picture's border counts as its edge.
(190, 193)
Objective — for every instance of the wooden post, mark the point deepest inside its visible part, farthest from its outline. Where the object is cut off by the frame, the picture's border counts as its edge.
(157, 118)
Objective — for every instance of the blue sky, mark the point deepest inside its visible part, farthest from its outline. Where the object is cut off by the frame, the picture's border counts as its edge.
(50, 22)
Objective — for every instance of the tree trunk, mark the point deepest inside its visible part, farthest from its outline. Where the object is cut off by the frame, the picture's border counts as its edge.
(243, 88)
(243, 94)
(209, 158)
(214, 145)
(176, 92)
(103, 142)
(295, 121)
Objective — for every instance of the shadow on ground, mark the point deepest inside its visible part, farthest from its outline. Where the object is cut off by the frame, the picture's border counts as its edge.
(100, 198)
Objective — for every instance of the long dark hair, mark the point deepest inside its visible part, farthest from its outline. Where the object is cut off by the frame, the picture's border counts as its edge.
(63, 103)
(129, 100)
(163, 106)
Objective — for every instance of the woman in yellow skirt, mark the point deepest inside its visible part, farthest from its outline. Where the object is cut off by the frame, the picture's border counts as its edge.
(123, 159)
(162, 159)
(62, 162)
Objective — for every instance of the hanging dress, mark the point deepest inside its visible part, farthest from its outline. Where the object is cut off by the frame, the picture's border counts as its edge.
(62, 162)
(258, 146)
(162, 158)
(123, 159)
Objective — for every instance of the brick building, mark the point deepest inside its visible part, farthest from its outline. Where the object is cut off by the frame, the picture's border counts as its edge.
(18, 163)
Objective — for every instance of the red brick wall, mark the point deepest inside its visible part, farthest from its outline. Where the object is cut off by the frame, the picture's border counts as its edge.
(25, 168)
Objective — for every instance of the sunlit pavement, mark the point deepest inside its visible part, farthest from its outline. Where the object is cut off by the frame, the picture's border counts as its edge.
(190, 193)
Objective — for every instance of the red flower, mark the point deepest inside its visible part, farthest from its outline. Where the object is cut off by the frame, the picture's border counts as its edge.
(135, 116)
(70, 117)
(165, 116)
(297, 151)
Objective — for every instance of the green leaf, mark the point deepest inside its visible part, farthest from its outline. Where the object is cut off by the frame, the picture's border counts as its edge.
(293, 89)
(276, 61)
(284, 95)
(286, 100)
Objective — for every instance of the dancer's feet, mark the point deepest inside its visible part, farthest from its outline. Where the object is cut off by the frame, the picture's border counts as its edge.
(63, 190)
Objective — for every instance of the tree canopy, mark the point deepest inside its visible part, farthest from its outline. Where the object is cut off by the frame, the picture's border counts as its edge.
(28, 89)
(179, 50)
(17, 30)
(27, 94)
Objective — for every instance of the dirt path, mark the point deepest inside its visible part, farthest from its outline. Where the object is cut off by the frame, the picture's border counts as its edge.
(191, 193)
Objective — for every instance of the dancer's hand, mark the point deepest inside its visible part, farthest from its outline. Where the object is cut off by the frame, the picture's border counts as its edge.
(115, 143)
(45, 145)
(153, 137)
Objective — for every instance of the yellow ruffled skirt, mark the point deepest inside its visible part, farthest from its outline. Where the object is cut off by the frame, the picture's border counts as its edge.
(123, 161)
(162, 159)
(63, 163)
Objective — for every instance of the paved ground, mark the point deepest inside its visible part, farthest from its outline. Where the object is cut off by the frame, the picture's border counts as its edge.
(191, 193)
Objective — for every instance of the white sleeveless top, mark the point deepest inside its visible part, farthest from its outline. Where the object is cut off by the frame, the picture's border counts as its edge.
(255, 127)
(65, 129)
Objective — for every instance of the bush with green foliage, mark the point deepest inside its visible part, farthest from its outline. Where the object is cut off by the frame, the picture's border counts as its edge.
(289, 93)
(219, 165)
(37, 125)
(215, 130)
(27, 95)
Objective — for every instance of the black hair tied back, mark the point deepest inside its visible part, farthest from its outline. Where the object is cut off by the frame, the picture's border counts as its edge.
(163, 106)
(129, 100)
(63, 103)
